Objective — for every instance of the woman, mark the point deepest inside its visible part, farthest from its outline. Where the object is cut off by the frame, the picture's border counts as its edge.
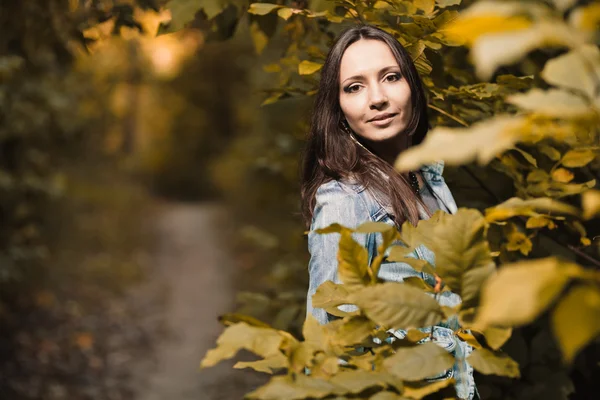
(369, 108)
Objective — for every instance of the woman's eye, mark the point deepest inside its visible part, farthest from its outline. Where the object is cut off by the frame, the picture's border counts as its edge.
(393, 77)
(351, 89)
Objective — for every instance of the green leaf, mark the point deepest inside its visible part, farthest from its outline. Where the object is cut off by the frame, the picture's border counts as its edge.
(418, 362)
(576, 319)
(419, 391)
(395, 305)
(494, 363)
(457, 146)
(308, 67)
(330, 294)
(576, 70)
(262, 8)
(353, 261)
(519, 292)
(261, 341)
(578, 158)
(268, 365)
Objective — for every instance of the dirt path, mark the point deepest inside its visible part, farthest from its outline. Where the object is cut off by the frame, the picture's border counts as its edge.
(191, 256)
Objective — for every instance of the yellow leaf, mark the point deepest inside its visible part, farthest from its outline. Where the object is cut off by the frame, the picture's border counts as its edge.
(397, 306)
(590, 202)
(259, 38)
(520, 292)
(550, 152)
(575, 70)
(562, 175)
(447, 3)
(426, 5)
(578, 158)
(285, 13)
(268, 365)
(308, 67)
(563, 5)
(353, 261)
(494, 363)
(271, 68)
(419, 361)
(382, 5)
(496, 337)
(272, 99)
(576, 319)
(261, 341)
(539, 222)
(414, 335)
(349, 331)
(495, 50)
(262, 8)
(551, 103)
(419, 391)
(330, 294)
(456, 146)
(356, 381)
(529, 208)
(469, 338)
(468, 29)
(386, 396)
(519, 241)
(586, 18)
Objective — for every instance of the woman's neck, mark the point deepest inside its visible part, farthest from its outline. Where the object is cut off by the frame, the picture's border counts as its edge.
(389, 149)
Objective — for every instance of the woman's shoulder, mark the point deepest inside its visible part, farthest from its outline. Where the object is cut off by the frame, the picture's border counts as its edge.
(346, 195)
(346, 186)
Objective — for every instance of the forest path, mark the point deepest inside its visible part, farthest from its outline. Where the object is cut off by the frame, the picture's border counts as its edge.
(192, 259)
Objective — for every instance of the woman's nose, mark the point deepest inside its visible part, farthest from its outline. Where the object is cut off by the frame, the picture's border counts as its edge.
(377, 97)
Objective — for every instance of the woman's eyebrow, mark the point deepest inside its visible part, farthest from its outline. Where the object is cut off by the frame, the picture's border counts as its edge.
(381, 71)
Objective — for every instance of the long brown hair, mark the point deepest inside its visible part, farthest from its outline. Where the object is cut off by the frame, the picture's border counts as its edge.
(331, 153)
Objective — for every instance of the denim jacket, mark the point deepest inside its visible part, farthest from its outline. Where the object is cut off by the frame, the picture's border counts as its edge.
(350, 204)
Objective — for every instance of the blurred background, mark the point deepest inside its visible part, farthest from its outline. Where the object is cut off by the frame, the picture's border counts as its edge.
(144, 192)
(149, 185)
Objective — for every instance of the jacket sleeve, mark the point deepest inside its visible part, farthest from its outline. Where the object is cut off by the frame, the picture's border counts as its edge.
(334, 204)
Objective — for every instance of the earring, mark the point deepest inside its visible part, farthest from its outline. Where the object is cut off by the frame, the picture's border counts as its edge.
(346, 128)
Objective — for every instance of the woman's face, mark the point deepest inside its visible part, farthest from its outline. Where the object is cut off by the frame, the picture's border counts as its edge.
(372, 87)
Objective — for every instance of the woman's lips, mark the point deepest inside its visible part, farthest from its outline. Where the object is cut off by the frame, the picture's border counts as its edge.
(384, 122)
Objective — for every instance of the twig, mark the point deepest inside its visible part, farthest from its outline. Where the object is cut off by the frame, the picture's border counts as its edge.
(550, 236)
(460, 121)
